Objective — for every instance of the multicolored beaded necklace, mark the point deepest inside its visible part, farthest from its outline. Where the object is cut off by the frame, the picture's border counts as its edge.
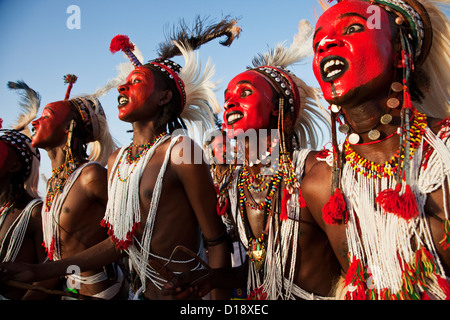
(135, 159)
(245, 179)
(68, 168)
(373, 170)
(257, 245)
(6, 208)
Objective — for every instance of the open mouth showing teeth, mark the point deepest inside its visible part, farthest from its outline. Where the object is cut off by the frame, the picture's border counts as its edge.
(122, 100)
(33, 131)
(332, 67)
(233, 117)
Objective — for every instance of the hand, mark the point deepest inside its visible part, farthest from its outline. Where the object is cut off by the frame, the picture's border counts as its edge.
(189, 285)
(17, 271)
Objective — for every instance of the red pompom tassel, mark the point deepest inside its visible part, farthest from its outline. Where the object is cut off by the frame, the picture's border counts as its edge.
(404, 206)
(301, 200)
(121, 43)
(445, 286)
(286, 196)
(222, 208)
(335, 210)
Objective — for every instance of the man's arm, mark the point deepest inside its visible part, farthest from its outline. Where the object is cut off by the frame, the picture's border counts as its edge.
(95, 257)
(200, 191)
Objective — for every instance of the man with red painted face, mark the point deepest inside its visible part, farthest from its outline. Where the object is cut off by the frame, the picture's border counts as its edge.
(382, 195)
(76, 195)
(269, 111)
(156, 202)
(20, 213)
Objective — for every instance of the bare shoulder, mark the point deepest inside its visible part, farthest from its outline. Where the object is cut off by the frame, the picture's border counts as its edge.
(93, 172)
(318, 175)
(186, 152)
(112, 158)
(311, 160)
(37, 210)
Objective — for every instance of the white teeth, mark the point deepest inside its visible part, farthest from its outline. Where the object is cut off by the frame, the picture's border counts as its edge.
(123, 100)
(332, 63)
(332, 73)
(234, 117)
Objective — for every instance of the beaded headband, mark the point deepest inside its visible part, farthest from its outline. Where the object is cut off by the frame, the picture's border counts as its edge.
(283, 83)
(170, 70)
(89, 117)
(22, 144)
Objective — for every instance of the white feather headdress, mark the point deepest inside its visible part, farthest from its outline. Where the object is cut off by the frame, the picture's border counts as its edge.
(312, 119)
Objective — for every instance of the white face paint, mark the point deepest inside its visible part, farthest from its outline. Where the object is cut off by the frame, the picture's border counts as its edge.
(324, 41)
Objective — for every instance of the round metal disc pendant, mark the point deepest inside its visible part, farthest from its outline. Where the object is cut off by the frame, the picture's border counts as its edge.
(335, 108)
(393, 103)
(386, 118)
(353, 138)
(396, 87)
(343, 128)
(374, 134)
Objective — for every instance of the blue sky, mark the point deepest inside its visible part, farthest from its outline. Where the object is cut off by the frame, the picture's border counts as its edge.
(39, 48)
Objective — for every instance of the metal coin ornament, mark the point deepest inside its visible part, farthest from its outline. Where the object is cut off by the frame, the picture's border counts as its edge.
(344, 128)
(386, 119)
(393, 103)
(396, 87)
(354, 138)
(374, 134)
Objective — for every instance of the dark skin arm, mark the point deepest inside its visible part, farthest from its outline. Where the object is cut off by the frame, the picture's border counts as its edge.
(35, 227)
(316, 191)
(103, 253)
(200, 191)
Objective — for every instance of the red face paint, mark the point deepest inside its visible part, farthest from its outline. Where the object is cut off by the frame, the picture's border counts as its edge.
(350, 53)
(136, 94)
(49, 129)
(248, 103)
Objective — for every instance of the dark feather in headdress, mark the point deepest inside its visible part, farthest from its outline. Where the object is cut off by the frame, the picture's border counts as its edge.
(30, 102)
(201, 33)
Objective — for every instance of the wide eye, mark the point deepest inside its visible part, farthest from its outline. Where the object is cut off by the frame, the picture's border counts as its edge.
(356, 27)
(246, 92)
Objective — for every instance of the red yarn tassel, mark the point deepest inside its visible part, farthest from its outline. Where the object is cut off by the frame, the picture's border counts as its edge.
(301, 200)
(70, 79)
(222, 209)
(286, 196)
(389, 199)
(335, 210)
(121, 43)
(404, 206)
(445, 286)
